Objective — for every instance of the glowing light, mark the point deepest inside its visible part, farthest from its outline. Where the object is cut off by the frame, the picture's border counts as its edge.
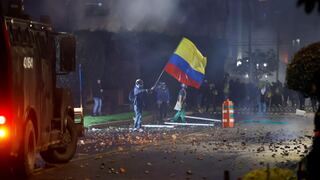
(246, 76)
(266, 76)
(265, 64)
(239, 63)
(3, 133)
(2, 120)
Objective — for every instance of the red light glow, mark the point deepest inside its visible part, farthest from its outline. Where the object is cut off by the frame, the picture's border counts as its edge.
(3, 133)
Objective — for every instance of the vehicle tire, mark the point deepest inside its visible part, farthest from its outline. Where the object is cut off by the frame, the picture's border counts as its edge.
(26, 162)
(69, 145)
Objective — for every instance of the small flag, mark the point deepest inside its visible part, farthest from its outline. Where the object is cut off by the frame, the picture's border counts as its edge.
(187, 64)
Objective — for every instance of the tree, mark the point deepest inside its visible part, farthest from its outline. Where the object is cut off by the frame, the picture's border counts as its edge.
(309, 5)
(262, 63)
(303, 76)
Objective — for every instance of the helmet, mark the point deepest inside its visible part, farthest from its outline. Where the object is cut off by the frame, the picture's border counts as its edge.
(139, 83)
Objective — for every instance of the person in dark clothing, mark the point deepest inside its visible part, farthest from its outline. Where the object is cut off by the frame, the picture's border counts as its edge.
(302, 101)
(314, 103)
(263, 99)
(226, 86)
(293, 97)
(138, 103)
(97, 98)
(212, 98)
(278, 91)
(205, 93)
(286, 95)
(163, 99)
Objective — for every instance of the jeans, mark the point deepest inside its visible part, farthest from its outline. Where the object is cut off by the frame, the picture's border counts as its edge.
(97, 106)
(263, 107)
(138, 116)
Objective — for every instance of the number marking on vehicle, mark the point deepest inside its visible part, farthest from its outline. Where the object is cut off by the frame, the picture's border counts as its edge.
(28, 62)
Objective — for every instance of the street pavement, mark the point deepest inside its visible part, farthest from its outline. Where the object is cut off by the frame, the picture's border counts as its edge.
(257, 141)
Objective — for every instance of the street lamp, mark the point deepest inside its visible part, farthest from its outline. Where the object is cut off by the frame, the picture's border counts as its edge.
(296, 42)
(239, 63)
(265, 64)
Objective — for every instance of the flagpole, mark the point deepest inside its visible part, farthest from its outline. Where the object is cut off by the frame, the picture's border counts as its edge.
(159, 78)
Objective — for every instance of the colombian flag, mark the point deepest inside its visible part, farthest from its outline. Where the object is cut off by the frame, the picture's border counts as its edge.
(187, 64)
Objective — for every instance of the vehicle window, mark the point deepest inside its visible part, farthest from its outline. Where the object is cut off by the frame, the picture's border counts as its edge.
(25, 36)
(18, 34)
(43, 42)
(37, 42)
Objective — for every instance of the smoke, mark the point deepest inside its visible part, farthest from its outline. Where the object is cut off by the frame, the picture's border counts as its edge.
(205, 17)
(130, 15)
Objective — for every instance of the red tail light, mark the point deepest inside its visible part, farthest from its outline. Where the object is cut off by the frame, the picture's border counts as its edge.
(3, 133)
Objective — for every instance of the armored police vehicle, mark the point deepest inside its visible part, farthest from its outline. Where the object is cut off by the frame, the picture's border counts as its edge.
(36, 116)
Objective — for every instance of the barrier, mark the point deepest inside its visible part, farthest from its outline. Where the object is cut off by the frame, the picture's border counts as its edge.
(227, 114)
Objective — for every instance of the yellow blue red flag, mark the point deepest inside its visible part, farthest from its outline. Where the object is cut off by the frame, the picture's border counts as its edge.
(187, 64)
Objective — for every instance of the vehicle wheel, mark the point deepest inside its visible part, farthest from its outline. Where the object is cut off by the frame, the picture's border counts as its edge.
(68, 147)
(26, 162)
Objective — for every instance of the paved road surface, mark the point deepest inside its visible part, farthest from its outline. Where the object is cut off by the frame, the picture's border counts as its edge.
(187, 153)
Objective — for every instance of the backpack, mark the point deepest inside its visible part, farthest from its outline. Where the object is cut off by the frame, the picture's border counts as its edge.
(131, 96)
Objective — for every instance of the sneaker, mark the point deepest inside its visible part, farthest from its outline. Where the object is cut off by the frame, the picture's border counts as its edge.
(140, 130)
(134, 130)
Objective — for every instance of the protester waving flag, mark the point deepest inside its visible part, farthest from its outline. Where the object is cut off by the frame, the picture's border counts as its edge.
(187, 64)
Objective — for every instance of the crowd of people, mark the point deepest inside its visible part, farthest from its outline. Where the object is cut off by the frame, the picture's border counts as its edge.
(255, 97)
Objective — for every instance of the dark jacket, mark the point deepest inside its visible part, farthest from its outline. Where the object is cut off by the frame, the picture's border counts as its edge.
(162, 95)
(97, 91)
(138, 96)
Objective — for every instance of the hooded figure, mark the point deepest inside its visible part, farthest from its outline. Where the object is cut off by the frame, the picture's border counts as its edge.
(138, 104)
